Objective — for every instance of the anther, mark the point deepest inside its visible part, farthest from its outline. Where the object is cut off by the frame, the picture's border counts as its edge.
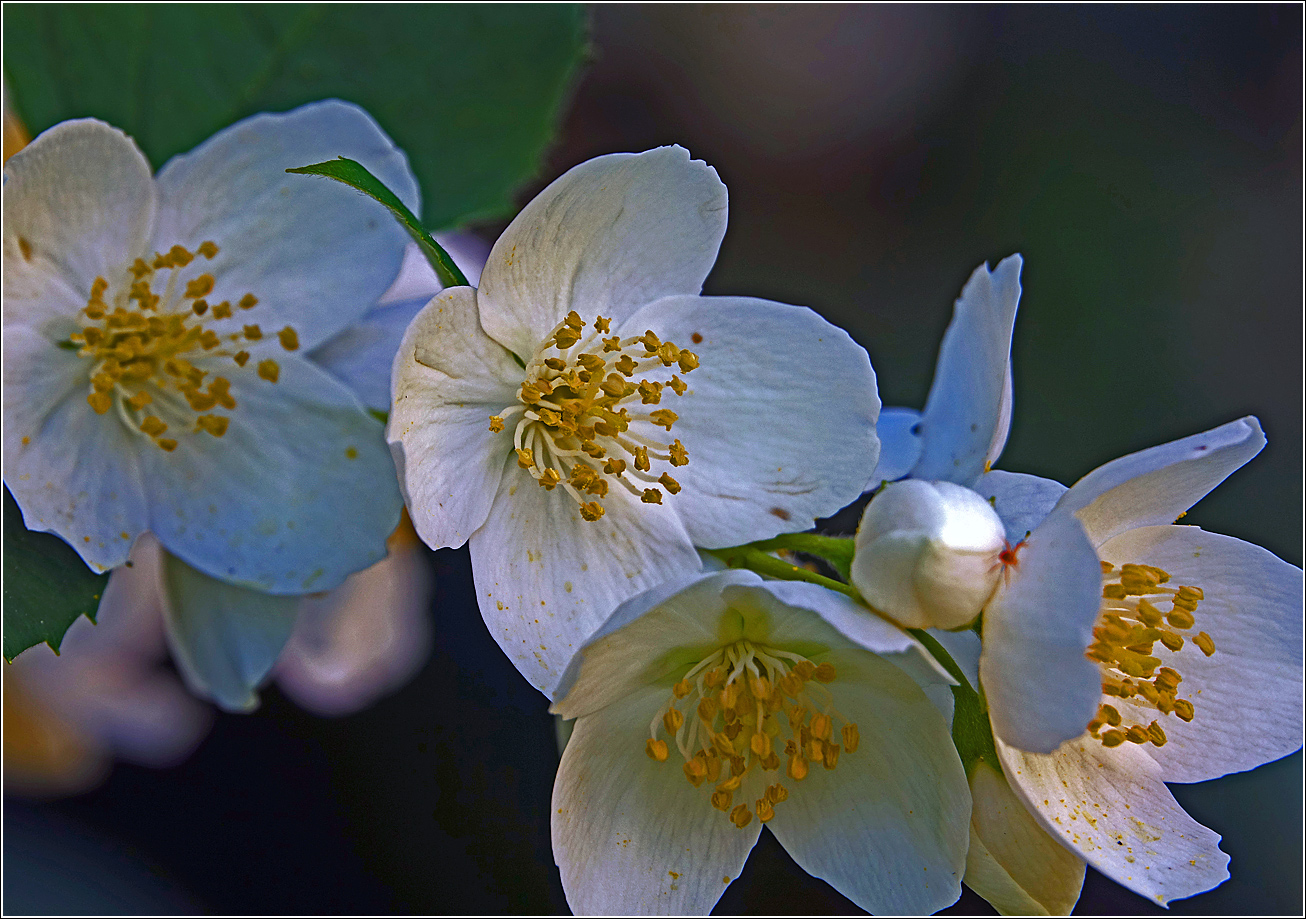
(268, 370)
(657, 749)
(289, 340)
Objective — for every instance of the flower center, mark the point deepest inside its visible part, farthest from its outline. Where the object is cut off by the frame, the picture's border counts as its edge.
(727, 715)
(1129, 625)
(142, 346)
(581, 425)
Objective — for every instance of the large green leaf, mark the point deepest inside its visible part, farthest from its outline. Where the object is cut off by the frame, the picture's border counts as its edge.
(471, 92)
(46, 587)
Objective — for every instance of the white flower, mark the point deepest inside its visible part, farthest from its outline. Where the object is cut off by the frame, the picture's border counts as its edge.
(586, 418)
(158, 333)
(716, 703)
(1197, 653)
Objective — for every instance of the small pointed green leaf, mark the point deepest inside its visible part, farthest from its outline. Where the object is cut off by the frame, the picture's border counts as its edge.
(46, 586)
(356, 176)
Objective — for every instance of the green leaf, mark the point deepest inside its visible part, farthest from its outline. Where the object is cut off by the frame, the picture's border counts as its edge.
(355, 175)
(470, 92)
(46, 586)
(755, 559)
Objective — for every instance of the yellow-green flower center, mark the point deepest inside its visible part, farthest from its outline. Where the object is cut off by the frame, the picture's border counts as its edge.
(1130, 624)
(733, 711)
(578, 403)
(142, 345)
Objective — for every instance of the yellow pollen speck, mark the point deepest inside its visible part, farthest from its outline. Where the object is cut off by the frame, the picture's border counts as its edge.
(289, 340)
(351, 452)
(26, 440)
(199, 287)
(268, 370)
(214, 424)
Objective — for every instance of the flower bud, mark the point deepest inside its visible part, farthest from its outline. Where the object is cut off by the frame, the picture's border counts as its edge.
(927, 554)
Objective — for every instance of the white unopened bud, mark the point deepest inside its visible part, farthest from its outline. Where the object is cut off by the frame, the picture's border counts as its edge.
(927, 554)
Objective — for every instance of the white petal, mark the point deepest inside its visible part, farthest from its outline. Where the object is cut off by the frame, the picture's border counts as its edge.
(631, 835)
(449, 378)
(652, 638)
(315, 253)
(298, 494)
(73, 472)
(1111, 807)
(900, 445)
(364, 639)
(1247, 696)
(1040, 687)
(966, 416)
(363, 354)
(610, 235)
(788, 625)
(1156, 485)
(546, 579)
(887, 826)
(224, 638)
(1022, 501)
(79, 203)
(778, 420)
(1013, 862)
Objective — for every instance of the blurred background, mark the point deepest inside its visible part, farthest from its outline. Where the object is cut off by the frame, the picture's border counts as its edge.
(1146, 161)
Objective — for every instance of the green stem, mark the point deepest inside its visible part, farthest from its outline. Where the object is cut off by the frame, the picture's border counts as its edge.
(837, 550)
(756, 560)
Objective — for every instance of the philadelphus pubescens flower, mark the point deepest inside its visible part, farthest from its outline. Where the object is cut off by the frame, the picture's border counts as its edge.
(158, 339)
(1197, 657)
(585, 418)
(717, 703)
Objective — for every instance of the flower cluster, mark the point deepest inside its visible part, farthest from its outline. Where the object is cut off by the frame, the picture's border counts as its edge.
(990, 683)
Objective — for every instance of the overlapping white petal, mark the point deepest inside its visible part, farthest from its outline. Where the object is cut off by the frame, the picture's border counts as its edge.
(609, 236)
(882, 826)
(1012, 861)
(67, 223)
(631, 836)
(449, 377)
(748, 419)
(1156, 485)
(1247, 695)
(1041, 689)
(317, 256)
(968, 411)
(224, 638)
(546, 579)
(262, 506)
(1112, 808)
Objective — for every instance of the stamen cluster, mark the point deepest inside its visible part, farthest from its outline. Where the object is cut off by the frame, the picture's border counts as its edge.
(727, 716)
(138, 343)
(1128, 628)
(575, 430)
